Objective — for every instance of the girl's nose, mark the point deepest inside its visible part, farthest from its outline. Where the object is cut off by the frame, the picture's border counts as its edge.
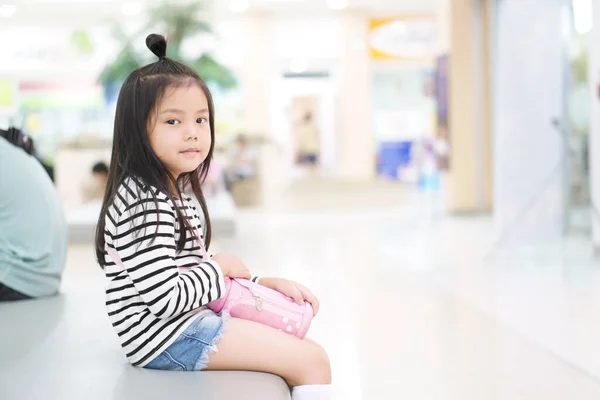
(191, 132)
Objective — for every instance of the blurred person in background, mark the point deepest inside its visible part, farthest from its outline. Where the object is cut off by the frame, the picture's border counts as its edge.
(18, 138)
(33, 229)
(307, 142)
(94, 189)
(214, 183)
(242, 162)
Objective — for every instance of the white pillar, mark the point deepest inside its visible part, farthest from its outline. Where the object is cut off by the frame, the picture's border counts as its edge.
(256, 74)
(464, 32)
(529, 192)
(443, 10)
(594, 138)
(355, 151)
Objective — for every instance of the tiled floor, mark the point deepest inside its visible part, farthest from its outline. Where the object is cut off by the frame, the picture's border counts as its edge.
(414, 304)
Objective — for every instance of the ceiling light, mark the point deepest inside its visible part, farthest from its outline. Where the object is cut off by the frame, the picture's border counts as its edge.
(131, 9)
(7, 10)
(337, 4)
(238, 6)
(298, 66)
(582, 13)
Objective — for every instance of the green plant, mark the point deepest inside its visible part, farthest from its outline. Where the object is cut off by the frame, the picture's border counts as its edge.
(178, 21)
(579, 67)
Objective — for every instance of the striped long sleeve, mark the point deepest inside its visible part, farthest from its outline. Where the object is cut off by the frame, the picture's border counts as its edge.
(154, 292)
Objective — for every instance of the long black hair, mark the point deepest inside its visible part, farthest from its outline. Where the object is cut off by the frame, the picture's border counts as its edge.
(132, 155)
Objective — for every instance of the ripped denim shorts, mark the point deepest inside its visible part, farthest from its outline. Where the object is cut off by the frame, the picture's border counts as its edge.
(190, 351)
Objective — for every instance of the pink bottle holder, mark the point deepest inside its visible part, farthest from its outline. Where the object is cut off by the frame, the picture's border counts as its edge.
(247, 300)
(250, 301)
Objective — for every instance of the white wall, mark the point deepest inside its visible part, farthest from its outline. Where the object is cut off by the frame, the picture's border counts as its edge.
(529, 93)
(594, 148)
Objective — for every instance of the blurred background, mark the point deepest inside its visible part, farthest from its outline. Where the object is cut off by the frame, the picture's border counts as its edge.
(429, 167)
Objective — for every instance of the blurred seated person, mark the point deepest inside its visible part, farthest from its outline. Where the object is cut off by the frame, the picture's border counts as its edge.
(18, 138)
(214, 183)
(95, 188)
(243, 162)
(33, 229)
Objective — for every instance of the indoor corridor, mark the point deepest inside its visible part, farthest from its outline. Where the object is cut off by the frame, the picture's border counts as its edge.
(415, 305)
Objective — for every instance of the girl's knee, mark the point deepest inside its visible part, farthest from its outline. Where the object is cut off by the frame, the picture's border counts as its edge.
(315, 368)
(323, 365)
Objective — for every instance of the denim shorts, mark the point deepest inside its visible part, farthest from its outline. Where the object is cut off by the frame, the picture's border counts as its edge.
(190, 351)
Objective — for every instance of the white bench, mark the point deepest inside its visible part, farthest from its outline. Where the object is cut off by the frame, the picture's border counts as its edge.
(63, 348)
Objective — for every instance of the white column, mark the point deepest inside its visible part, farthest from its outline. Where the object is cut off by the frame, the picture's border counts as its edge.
(594, 138)
(256, 75)
(443, 10)
(256, 72)
(464, 30)
(529, 193)
(355, 151)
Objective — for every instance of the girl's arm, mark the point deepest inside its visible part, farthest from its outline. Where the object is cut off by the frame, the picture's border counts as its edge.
(150, 262)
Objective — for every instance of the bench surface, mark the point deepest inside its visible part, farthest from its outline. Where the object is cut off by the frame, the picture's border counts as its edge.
(64, 348)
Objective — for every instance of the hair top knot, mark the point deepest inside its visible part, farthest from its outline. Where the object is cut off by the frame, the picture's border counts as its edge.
(157, 45)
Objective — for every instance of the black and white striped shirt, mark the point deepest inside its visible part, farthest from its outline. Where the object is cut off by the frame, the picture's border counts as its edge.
(156, 293)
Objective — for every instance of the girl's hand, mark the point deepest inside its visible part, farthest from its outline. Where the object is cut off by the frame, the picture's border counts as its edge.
(232, 266)
(292, 289)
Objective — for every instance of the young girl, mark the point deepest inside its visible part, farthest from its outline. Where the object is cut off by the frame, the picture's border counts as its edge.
(156, 298)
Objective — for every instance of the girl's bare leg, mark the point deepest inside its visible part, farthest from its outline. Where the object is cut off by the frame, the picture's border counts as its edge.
(250, 346)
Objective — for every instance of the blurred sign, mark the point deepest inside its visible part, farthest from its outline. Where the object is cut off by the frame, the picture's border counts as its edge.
(55, 94)
(7, 97)
(403, 38)
(403, 108)
(395, 161)
(40, 52)
(405, 123)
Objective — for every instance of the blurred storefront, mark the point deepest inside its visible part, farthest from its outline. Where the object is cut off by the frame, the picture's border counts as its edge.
(403, 51)
(483, 101)
(517, 115)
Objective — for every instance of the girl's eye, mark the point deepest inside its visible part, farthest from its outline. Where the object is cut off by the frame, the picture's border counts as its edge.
(201, 120)
(172, 122)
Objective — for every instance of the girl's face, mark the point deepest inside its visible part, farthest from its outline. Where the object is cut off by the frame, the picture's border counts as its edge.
(179, 131)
